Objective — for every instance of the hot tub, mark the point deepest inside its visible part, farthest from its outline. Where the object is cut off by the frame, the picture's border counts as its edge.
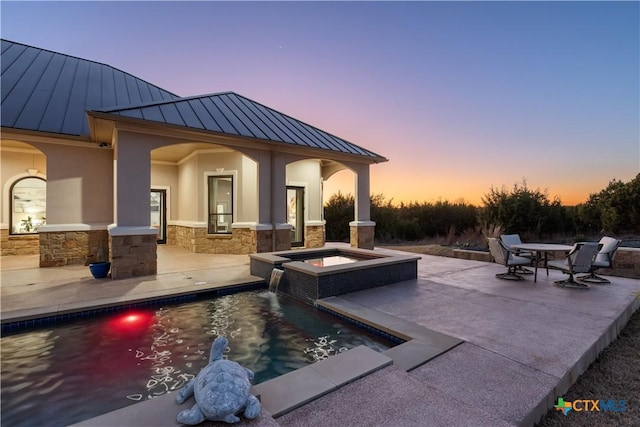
(333, 271)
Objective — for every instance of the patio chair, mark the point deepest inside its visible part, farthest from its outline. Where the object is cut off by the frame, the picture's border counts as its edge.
(604, 259)
(578, 260)
(514, 239)
(503, 255)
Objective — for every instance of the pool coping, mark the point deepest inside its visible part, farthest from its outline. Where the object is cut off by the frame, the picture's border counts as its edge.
(31, 317)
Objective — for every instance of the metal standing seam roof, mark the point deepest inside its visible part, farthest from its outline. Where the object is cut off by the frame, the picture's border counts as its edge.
(233, 114)
(50, 92)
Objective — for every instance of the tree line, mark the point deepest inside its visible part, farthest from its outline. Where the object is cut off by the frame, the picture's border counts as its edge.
(530, 213)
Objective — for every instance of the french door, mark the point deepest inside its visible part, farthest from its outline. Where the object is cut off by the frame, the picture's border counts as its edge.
(159, 214)
(295, 214)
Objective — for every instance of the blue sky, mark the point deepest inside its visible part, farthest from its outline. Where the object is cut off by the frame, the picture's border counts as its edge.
(459, 96)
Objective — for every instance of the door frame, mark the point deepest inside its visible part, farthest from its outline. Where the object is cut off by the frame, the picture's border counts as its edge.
(300, 195)
(163, 213)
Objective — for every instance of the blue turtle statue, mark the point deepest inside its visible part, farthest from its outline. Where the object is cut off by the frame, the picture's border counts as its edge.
(221, 389)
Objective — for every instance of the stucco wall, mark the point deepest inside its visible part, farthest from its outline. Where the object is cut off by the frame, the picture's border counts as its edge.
(79, 185)
(307, 173)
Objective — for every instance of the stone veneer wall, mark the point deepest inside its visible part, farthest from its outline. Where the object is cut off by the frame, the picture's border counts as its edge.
(60, 248)
(626, 263)
(314, 236)
(25, 244)
(283, 241)
(241, 241)
(171, 235)
(134, 255)
(362, 236)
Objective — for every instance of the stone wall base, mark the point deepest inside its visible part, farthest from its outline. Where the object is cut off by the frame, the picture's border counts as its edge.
(133, 256)
(25, 244)
(625, 264)
(362, 236)
(314, 236)
(241, 241)
(71, 247)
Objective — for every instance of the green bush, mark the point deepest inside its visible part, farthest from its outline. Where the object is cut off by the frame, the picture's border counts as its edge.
(530, 213)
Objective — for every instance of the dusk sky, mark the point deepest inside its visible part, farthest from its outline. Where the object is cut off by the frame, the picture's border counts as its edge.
(458, 96)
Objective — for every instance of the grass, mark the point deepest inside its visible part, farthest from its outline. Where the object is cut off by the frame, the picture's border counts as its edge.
(615, 374)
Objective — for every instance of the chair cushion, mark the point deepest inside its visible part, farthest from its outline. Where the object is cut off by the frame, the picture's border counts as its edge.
(608, 244)
(560, 264)
(519, 260)
(600, 263)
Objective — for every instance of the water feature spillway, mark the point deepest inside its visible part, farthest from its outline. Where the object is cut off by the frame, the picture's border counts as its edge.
(274, 279)
(311, 274)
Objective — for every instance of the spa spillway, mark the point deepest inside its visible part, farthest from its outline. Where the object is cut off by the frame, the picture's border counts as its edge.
(311, 274)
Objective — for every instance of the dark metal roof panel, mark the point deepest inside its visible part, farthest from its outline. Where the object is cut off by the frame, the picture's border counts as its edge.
(218, 116)
(237, 124)
(188, 115)
(51, 92)
(153, 114)
(233, 114)
(204, 116)
(171, 114)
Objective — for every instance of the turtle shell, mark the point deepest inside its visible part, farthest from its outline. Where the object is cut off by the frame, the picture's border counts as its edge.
(221, 388)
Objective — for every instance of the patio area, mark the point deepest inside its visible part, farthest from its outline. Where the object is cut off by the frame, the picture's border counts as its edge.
(524, 343)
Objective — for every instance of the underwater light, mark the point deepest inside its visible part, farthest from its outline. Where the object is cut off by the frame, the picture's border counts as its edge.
(132, 322)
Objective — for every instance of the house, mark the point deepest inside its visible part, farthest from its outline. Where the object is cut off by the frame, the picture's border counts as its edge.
(97, 161)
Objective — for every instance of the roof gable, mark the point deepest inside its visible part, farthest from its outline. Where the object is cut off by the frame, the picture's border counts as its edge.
(50, 92)
(233, 114)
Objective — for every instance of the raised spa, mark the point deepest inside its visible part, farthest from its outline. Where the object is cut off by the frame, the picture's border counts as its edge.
(332, 271)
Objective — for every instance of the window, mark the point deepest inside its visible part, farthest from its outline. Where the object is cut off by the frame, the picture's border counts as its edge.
(28, 205)
(220, 204)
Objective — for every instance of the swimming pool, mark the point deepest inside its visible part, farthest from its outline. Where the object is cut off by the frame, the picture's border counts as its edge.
(60, 375)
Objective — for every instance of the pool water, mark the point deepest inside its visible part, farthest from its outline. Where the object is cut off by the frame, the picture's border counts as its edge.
(327, 261)
(67, 373)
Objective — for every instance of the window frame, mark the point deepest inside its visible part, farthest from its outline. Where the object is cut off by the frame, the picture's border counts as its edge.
(229, 212)
(11, 206)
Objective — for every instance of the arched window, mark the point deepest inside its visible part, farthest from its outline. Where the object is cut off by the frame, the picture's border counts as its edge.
(28, 205)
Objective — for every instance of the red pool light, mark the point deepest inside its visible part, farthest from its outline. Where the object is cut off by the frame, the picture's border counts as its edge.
(131, 322)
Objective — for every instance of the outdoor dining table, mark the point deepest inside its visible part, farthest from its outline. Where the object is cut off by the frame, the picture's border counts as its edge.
(538, 249)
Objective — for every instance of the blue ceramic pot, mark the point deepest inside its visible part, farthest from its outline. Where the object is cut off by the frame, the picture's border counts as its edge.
(99, 269)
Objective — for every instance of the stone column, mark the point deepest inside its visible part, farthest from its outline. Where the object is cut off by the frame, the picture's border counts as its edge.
(132, 241)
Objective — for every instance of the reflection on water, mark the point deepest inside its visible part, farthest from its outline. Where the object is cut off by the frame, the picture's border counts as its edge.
(71, 372)
(328, 261)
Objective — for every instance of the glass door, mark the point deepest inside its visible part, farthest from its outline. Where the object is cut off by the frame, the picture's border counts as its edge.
(295, 214)
(159, 214)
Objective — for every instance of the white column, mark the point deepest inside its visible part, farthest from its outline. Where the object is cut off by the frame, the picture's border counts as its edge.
(278, 189)
(363, 201)
(132, 181)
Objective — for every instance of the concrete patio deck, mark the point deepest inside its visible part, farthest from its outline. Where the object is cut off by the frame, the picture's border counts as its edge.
(525, 342)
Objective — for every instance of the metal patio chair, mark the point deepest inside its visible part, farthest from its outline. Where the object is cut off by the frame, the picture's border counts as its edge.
(503, 255)
(514, 239)
(604, 259)
(578, 260)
